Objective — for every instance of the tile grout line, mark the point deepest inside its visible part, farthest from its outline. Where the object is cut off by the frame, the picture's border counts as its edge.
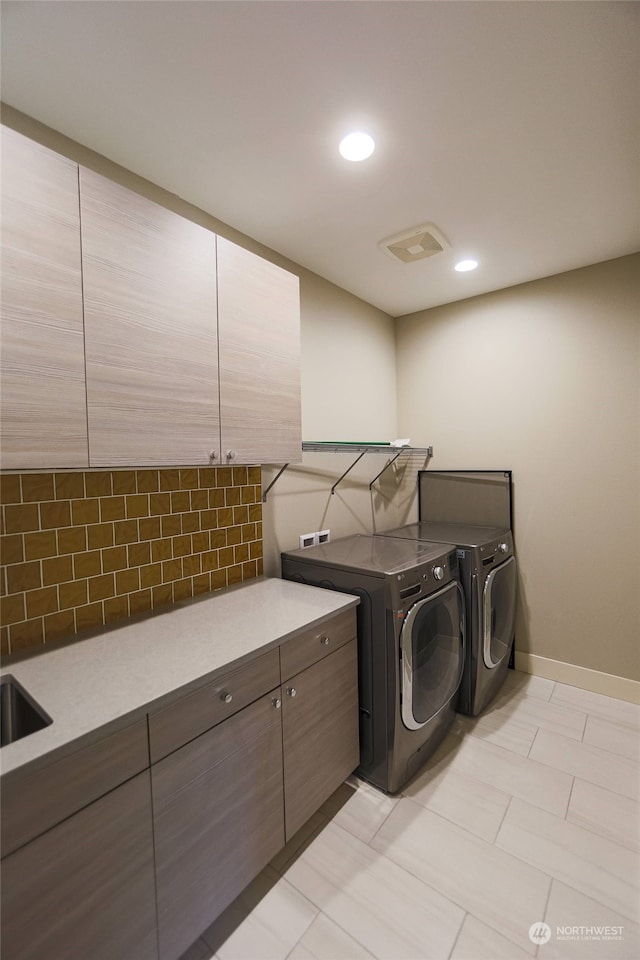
(457, 937)
(566, 812)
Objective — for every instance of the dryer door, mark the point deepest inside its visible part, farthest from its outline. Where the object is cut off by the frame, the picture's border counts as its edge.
(432, 649)
(499, 612)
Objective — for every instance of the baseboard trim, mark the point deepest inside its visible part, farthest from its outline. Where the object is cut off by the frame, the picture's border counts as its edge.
(571, 673)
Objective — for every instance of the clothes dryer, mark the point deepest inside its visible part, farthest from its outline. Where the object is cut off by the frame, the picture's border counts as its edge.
(410, 643)
(473, 509)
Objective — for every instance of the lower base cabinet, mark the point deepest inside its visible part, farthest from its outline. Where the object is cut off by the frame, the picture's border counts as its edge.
(142, 871)
(85, 888)
(217, 820)
(320, 740)
(225, 803)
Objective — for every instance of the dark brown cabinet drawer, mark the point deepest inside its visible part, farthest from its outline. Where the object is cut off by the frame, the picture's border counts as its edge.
(307, 648)
(176, 724)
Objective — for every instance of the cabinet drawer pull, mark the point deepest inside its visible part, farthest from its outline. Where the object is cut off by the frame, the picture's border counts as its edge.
(277, 702)
(325, 641)
(226, 697)
(291, 691)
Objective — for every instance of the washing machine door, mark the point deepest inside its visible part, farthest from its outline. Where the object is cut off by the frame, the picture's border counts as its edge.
(432, 648)
(499, 612)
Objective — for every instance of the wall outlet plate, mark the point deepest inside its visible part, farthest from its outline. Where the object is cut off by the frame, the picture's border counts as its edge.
(324, 536)
(307, 540)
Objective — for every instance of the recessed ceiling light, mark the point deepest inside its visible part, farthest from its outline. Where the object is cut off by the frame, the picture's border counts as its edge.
(357, 146)
(463, 265)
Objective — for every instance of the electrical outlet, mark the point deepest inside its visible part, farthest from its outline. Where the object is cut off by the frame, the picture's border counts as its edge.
(323, 536)
(307, 540)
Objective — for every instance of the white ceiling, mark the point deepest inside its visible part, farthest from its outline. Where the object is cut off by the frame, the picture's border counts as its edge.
(513, 126)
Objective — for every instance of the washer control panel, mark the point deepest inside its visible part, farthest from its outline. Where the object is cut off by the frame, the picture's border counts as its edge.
(420, 581)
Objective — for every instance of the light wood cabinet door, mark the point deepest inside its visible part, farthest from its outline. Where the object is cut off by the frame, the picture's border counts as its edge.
(85, 889)
(43, 421)
(218, 820)
(150, 329)
(320, 738)
(259, 343)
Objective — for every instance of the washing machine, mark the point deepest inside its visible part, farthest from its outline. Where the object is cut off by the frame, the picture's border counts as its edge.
(411, 651)
(452, 505)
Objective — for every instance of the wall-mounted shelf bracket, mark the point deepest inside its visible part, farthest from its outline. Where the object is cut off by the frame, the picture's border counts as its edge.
(360, 449)
(277, 477)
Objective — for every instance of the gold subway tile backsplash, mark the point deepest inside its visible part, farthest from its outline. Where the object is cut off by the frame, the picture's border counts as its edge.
(70, 539)
(138, 554)
(21, 517)
(190, 521)
(29, 633)
(169, 480)
(100, 535)
(57, 570)
(112, 508)
(137, 505)
(57, 625)
(149, 528)
(102, 587)
(12, 549)
(37, 487)
(69, 486)
(40, 602)
(171, 526)
(21, 577)
(55, 513)
(73, 594)
(10, 488)
(81, 549)
(98, 484)
(124, 481)
(125, 531)
(116, 608)
(128, 581)
(114, 558)
(87, 564)
(147, 481)
(39, 545)
(140, 602)
(85, 511)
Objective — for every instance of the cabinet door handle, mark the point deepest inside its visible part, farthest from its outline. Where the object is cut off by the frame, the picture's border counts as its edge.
(226, 697)
(231, 454)
(325, 641)
(291, 691)
(277, 702)
(213, 456)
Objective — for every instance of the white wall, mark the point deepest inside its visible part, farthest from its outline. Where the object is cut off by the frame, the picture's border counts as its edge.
(544, 378)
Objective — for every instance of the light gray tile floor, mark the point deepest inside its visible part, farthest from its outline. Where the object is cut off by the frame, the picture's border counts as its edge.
(526, 816)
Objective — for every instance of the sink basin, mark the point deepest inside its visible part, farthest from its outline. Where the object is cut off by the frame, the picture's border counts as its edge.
(20, 715)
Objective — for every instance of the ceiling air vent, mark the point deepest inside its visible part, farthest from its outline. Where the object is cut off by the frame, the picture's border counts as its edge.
(415, 244)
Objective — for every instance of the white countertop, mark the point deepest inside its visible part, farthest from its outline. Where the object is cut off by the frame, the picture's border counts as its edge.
(122, 672)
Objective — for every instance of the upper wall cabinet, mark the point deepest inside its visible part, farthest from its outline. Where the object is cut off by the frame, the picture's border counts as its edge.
(150, 328)
(132, 336)
(259, 343)
(43, 411)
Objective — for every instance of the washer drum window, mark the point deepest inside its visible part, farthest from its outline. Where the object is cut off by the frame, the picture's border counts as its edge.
(432, 645)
